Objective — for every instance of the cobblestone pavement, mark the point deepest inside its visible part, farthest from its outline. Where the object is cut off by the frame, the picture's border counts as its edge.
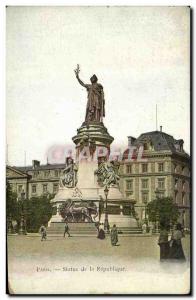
(133, 265)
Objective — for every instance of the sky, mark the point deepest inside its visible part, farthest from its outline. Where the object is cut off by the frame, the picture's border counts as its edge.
(139, 54)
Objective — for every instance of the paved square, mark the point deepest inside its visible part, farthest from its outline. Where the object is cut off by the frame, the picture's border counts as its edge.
(89, 265)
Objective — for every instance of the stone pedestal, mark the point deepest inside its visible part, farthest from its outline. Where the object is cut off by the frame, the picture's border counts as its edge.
(94, 133)
(92, 145)
(87, 181)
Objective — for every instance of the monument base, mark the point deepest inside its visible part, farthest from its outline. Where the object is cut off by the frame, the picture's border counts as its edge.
(86, 200)
(124, 224)
(83, 228)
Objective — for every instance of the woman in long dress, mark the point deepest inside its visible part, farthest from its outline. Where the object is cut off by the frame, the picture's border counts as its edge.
(101, 232)
(95, 109)
(176, 250)
(114, 235)
(163, 242)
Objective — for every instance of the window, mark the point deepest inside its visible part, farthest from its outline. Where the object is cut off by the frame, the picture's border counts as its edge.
(144, 197)
(184, 186)
(19, 188)
(183, 170)
(46, 174)
(161, 194)
(129, 184)
(146, 146)
(144, 183)
(184, 201)
(55, 188)
(34, 189)
(56, 173)
(160, 167)
(144, 168)
(176, 183)
(45, 188)
(36, 174)
(161, 183)
(128, 169)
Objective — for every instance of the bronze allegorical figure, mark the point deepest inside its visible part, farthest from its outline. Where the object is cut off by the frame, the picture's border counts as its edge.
(95, 110)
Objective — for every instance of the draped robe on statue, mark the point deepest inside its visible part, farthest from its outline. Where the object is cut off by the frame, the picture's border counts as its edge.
(95, 109)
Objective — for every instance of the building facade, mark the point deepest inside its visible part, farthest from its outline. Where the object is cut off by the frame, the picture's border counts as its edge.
(35, 180)
(162, 166)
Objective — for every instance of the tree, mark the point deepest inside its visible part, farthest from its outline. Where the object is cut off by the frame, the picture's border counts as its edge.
(12, 208)
(162, 210)
(38, 211)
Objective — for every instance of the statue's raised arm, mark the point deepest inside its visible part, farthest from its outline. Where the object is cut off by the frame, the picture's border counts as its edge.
(77, 71)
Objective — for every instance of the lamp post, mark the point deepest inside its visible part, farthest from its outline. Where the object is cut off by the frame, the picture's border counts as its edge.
(106, 223)
(157, 215)
(145, 204)
(22, 229)
(101, 206)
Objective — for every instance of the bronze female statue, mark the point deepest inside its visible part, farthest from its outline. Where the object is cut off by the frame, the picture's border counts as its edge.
(95, 110)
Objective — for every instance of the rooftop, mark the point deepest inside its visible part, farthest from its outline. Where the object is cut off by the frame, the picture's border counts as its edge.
(161, 141)
(40, 167)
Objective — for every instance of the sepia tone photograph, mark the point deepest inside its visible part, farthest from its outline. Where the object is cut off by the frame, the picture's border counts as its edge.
(98, 165)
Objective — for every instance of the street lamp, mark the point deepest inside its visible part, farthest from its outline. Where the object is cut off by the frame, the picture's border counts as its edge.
(157, 193)
(145, 215)
(22, 229)
(106, 223)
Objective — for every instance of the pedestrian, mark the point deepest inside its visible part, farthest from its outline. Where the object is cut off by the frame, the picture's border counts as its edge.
(101, 232)
(163, 241)
(114, 235)
(176, 250)
(43, 232)
(144, 228)
(66, 230)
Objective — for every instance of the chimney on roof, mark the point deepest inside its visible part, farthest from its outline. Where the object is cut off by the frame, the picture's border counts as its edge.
(35, 163)
(131, 140)
(161, 128)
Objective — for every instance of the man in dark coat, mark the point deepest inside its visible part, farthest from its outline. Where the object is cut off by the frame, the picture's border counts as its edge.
(163, 242)
(66, 229)
(114, 235)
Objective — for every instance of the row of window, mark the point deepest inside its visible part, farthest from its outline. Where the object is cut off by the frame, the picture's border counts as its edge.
(145, 183)
(184, 188)
(181, 169)
(184, 198)
(44, 188)
(47, 173)
(180, 198)
(145, 195)
(144, 168)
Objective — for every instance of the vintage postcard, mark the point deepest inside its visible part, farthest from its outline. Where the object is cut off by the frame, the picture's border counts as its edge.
(98, 150)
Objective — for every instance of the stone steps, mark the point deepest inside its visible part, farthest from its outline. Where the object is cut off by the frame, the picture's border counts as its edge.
(88, 229)
(74, 228)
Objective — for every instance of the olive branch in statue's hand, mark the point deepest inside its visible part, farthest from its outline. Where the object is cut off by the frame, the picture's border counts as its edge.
(77, 70)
